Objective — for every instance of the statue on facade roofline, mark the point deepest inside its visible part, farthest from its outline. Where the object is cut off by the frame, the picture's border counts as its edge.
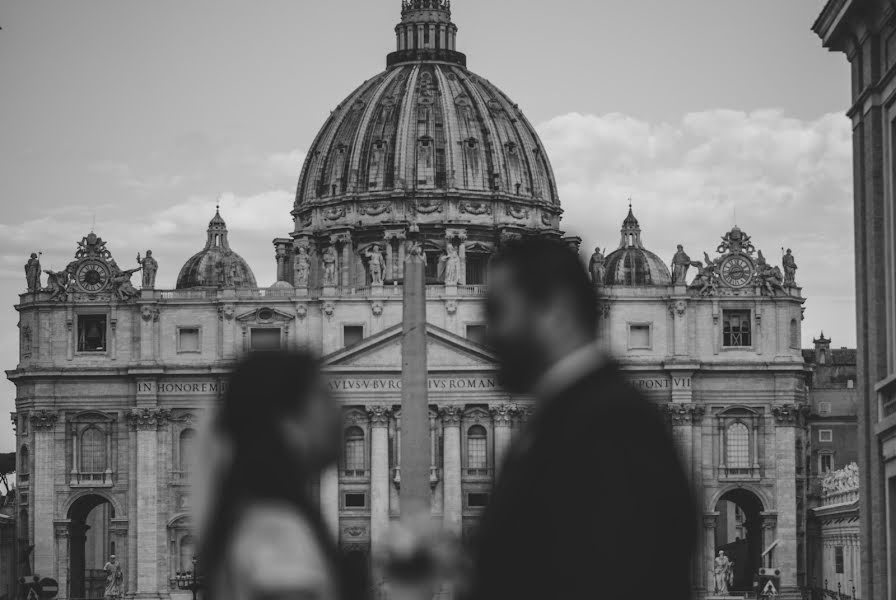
(789, 268)
(598, 266)
(449, 266)
(329, 260)
(150, 268)
(58, 284)
(376, 264)
(302, 267)
(681, 262)
(121, 282)
(32, 273)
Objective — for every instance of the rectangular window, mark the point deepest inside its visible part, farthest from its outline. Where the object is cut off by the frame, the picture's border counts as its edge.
(91, 333)
(826, 463)
(825, 435)
(736, 328)
(352, 334)
(639, 337)
(356, 500)
(824, 408)
(264, 339)
(476, 333)
(476, 269)
(476, 453)
(188, 339)
(838, 559)
(477, 500)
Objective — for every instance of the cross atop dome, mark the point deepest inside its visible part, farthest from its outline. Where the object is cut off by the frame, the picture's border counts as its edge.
(426, 33)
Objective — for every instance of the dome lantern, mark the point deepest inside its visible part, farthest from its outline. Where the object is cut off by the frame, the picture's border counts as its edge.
(426, 32)
(631, 231)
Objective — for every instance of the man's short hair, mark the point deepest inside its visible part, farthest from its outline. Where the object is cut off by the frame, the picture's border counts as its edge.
(545, 268)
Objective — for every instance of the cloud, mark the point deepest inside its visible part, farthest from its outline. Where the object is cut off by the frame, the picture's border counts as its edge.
(787, 180)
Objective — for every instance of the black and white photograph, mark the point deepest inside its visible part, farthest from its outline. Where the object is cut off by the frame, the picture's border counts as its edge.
(448, 300)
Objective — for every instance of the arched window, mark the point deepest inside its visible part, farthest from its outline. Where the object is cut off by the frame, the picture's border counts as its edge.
(738, 446)
(24, 464)
(355, 463)
(477, 449)
(93, 451)
(187, 444)
(794, 334)
(187, 552)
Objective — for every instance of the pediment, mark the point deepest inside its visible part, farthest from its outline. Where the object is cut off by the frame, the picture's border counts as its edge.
(265, 315)
(382, 352)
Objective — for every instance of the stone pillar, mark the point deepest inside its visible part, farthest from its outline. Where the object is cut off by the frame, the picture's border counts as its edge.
(62, 556)
(502, 419)
(379, 474)
(787, 418)
(390, 259)
(329, 499)
(43, 496)
(346, 270)
(149, 314)
(453, 502)
(146, 423)
(710, 521)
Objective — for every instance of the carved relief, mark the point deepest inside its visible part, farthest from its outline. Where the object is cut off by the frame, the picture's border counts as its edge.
(451, 415)
(683, 414)
(428, 207)
(375, 209)
(43, 419)
(504, 414)
(148, 418)
(376, 308)
(791, 414)
(451, 306)
(301, 310)
(149, 313)
(475, 208)
(547, 219)
(379, 415)
(26, 340)
(329, 309)
(679, 307)
(334, 213)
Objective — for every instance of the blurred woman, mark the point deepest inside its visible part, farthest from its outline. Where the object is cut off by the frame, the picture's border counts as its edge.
(262, 535)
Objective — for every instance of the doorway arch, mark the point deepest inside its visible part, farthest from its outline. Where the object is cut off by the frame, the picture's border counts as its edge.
(739, 534)
(90, 543)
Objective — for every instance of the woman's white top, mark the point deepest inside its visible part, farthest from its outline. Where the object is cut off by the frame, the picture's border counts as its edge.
(274, 554)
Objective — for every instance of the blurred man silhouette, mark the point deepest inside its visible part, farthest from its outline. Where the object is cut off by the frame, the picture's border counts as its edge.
(592, 500)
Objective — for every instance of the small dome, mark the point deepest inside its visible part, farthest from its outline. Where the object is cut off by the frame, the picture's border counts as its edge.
(216, 265)
(282, 285)
(632, 264)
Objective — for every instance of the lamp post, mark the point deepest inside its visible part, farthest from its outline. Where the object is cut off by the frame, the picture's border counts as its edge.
(190, 580)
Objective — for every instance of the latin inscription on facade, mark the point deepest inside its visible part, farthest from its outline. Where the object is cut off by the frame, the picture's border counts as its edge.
(179, 388)
(436, 384)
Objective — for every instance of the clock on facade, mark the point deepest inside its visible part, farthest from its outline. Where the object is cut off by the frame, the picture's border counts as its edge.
(92, 276)
(736, 271)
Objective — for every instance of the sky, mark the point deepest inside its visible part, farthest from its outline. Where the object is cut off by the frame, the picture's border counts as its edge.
(135, 118)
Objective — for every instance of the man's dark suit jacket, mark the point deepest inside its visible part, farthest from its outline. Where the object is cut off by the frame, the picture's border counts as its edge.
(591, 502)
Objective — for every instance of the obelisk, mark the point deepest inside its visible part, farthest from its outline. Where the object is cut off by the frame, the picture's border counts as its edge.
(415, 443)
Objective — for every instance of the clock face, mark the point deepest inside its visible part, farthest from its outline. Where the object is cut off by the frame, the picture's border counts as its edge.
(737, 271)
(92, 276)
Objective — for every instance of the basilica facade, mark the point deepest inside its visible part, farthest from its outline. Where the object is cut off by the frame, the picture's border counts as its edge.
(113, 376)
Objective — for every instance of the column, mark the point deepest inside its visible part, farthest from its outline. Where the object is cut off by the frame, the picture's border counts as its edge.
(502, 419)
(329, 499)
(401, 256)
(146, 423)
(390, 258)
(346, 260)
(43, 496)
(710, 520)
(784, 528)
(62, 555)
(379, 474)
(453, 501)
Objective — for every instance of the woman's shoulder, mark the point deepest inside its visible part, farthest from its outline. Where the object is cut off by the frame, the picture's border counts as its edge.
(274, 546)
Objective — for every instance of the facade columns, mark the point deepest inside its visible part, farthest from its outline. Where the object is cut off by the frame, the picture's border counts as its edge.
(453, 493)
(63, 552)
(329, 499)
(395, 270)
(710, 522)
(43, 424)
(379, 474)
(503, 416)
(787, 419)
(146, 422)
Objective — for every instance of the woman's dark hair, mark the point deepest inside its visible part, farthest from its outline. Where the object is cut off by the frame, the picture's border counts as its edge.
(262, 390)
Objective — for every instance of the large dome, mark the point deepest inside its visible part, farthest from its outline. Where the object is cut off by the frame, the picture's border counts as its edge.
(428, 128)
(216, 265)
